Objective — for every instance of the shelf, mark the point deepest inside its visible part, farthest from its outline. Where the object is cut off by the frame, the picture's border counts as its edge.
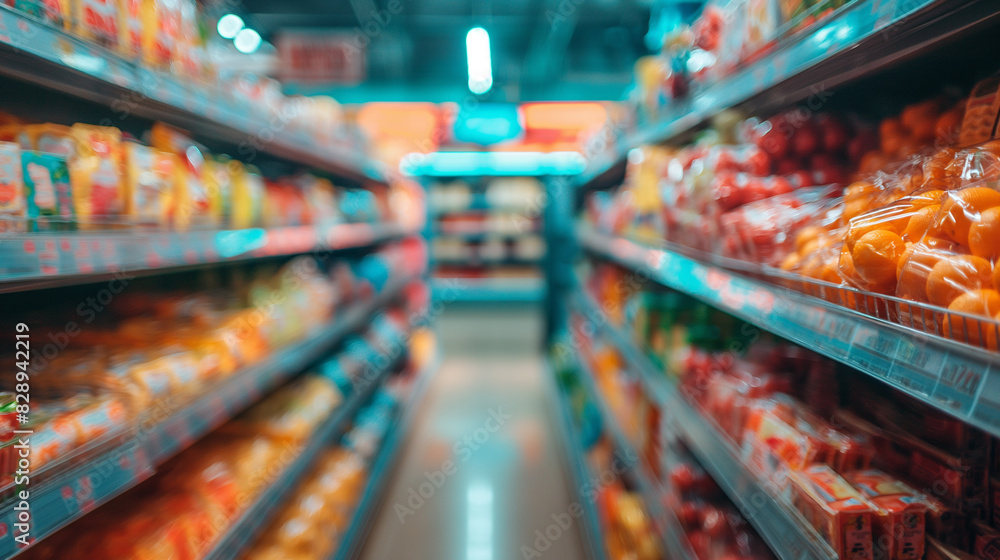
(354, 539)
(475, 262)
(859, 40)
(576, 459)
(244, 532)
(486, 235)
(42, 54)
(672, 538)
(958, 379)
(90, 477)
(41, 260)
(784, 530)
(504, 290)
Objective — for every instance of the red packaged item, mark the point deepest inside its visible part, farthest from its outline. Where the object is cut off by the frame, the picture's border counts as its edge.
(774, 444)
(841, 515)
(900, 521)
(987, 543)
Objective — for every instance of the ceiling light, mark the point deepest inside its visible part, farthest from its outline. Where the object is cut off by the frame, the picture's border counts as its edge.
(477, 46)
(229, 25)
(247, 41)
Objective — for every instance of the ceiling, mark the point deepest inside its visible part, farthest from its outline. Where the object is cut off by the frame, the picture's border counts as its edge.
(540, 48)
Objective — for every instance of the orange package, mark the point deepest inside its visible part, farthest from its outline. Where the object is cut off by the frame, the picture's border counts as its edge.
(900, 526)
(841, 515)
(96, 171)
(774, 443)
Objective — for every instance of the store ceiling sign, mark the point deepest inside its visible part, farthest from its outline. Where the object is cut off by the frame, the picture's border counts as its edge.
(321, 56)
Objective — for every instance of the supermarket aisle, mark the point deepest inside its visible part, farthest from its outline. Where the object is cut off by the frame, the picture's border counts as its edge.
(486, 414)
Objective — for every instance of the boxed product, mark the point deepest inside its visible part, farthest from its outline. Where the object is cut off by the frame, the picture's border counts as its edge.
(900, 519)
(841, 515)
(149, 184)
(11, 182)
(97, 20)
(47, 188)
(95, 171)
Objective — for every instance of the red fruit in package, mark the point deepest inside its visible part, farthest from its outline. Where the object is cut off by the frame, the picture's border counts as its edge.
(836, 133)
(773, 139)
(756, 162)
(805, 140)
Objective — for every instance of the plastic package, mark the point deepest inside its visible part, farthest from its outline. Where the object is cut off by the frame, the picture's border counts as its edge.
(841, 515)
(899, 529)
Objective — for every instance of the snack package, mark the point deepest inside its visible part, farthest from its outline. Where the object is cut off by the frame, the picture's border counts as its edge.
(95, 172)
(777, 440)
(899, 528)
(248, 196)
(161, 27)
(97, 21)
(149, 184)
(49, 138)
(131, 41)
(219, 186)
(47, 187)
(59, 12)
(841, 515)
(12, 203)
(192, 203)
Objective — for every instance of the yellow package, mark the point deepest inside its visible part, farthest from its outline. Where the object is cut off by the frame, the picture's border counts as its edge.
(97, 20)
(161, 25)
(149, 183)
(191, 201)
(248, 196)
(95, 171)
(130, 28)
(219, 186)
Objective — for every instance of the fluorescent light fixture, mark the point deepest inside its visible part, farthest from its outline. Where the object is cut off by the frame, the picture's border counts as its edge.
(479, 538)
(247, 41)
(477, 48)
(229, 25)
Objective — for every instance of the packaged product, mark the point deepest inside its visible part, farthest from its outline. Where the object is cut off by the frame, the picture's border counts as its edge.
(987, 541)
(47, 186)
(58, 12)
(777, 439)
(95, 172)
(192, 203)
(12, 203)
(131, 33)
(219, 181)
(49, 138)
(899, 529)
(8, 423)
(841, 515)
(149, 184)
(946, 524)
(248, 196)
(294, 411)
(97, 20)
(161, 25)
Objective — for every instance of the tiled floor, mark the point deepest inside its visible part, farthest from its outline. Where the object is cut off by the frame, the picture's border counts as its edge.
(481, 471)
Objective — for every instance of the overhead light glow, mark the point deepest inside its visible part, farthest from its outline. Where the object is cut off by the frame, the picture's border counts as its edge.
(477, 47)
(229, 25)
(247, 41)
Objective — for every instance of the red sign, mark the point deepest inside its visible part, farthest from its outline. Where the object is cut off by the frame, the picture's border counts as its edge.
(321, 57)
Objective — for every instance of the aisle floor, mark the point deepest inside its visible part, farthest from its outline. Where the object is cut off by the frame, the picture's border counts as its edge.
(486, 412)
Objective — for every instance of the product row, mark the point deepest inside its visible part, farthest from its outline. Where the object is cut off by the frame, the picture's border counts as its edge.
(152, 343)
(56, 177)
(837, 208)
(187, 508)
(877, 473)
(173, 36)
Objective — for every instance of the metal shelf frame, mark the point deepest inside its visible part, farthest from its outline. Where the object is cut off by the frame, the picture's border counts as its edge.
(961, 380)
(784, 529)
(91, 476)
(40, 53)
